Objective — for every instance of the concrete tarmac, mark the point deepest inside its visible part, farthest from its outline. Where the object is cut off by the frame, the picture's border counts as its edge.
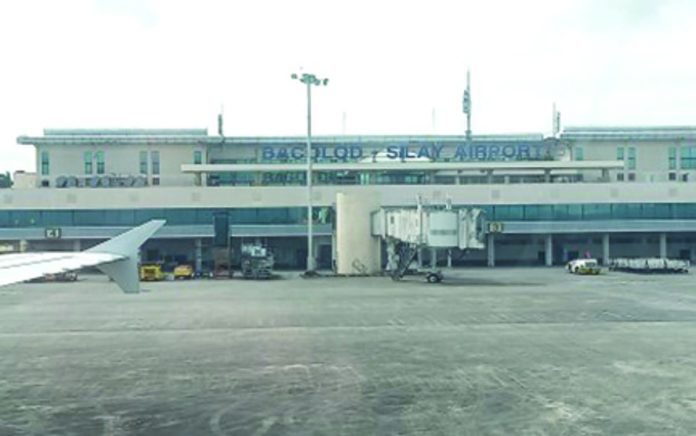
(505, 351)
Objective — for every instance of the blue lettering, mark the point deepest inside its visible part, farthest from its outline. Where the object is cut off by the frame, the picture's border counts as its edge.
(392, 152)
(509, 151)
(436, 151)
(537, 149)
(493, 152)
(356, 152)
(480, 152)
(423, 152)
(297, 153)
(341, 152)
(460, 153)
(282, 153)
(523, 151)
(267, 153)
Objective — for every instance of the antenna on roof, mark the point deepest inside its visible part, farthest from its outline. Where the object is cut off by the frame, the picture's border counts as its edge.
(555, 122)
(220, 121)
(466, 106)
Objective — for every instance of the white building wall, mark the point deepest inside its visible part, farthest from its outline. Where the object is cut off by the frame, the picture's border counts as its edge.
(120, 160)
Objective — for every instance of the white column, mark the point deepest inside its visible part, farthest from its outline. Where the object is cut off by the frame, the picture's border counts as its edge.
(419, 258)
(490, 243)
(663, 245)
(549, 250)
(606, 253)
(198, 254)
(433, 258)
(77, 245)
(449, 258)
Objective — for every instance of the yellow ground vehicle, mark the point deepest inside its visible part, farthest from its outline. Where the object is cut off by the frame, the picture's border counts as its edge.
(151, 273)
(584, 267)
(183, 272)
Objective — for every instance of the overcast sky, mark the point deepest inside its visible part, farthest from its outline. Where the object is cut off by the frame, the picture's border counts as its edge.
(395, 67)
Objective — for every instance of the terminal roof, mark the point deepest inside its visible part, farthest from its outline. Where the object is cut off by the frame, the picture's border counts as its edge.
(645, 133)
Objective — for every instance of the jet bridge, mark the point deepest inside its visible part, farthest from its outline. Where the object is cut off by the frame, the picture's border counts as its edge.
(407, 230)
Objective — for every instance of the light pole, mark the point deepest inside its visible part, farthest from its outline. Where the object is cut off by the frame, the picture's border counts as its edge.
(309, 80)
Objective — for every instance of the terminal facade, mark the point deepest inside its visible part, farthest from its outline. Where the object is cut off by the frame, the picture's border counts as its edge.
(599, 191)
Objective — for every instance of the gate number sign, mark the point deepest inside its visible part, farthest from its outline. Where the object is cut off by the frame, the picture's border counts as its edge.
(53, 233)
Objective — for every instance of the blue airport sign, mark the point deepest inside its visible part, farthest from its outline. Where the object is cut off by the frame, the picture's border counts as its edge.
(434, 152)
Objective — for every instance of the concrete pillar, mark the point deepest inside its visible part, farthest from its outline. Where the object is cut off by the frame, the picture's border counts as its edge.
(606, 253)
(489, 176)
(549, 250)
(316, 244)
(663, 245)
(433, 258)
(547, 176)
(490, 244)
(23, 246)
(77, 245)
(419, 258)
(357, 251)
(458, 178)
(449, 258)
(198, 255)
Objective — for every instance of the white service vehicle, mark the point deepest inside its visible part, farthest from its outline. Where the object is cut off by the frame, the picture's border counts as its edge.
(583, 267)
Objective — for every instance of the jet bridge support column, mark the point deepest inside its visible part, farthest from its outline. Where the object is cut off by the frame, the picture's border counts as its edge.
(663, 245)
(605, 249)
(549, 250)
(490, 244)
(198, 255)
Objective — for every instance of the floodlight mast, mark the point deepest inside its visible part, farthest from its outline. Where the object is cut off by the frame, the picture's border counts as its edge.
(308, 80)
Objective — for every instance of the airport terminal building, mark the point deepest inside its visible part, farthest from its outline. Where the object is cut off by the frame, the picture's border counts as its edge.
(609, 191)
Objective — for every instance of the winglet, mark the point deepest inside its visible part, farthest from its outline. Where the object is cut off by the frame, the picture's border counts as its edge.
(125, 271)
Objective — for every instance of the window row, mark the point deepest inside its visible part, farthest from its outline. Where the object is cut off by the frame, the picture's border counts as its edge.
(297, 215)
(133, 217)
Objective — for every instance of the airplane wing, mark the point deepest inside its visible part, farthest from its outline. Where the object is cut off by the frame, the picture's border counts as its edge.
(117, 258)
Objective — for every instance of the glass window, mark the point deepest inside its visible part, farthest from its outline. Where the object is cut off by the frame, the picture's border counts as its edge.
(541, 212)
(197, 157)
(89, 217)
(596, 211)
(26, 218)
(672, 158)
(631, 158)
(579, 153)
(155, 156)
(688, 158)
(122, 217)
(620, 153)
(5, 219)
(145, 215)
(57, 218)
(512, 213)
(100, 162)
(181, 216)
(87, 159)
(143, 162)
(45, 163)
